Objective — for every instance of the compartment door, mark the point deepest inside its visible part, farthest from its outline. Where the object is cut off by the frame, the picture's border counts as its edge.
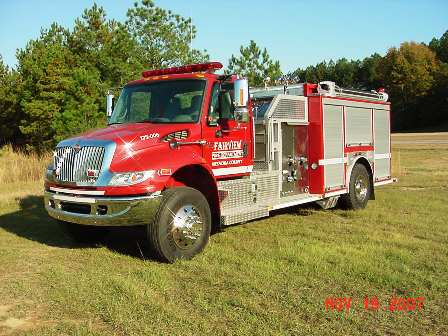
(334, 160)
(382, 145)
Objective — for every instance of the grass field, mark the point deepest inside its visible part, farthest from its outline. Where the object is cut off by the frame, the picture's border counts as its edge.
(267, 277)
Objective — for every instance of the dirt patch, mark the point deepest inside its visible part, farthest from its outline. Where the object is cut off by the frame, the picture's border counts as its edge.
(13, 323)
(413, 188)
(424, 188)
(10, 324)
(4, 311)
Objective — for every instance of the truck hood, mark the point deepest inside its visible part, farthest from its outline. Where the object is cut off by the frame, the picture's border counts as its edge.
(137, 133)
(128, 148)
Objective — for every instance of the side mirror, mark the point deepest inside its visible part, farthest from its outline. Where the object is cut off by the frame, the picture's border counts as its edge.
(211, 120)
(109, 104)
(241, 93)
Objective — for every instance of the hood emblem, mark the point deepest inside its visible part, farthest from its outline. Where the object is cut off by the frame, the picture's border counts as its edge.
(93, 173)
(76, 148)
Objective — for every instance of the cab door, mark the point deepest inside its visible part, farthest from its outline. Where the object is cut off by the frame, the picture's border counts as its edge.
(228, 150)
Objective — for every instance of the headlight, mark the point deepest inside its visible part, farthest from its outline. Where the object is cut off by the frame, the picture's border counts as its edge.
(124, 179)
(50, 168)
(49, 172)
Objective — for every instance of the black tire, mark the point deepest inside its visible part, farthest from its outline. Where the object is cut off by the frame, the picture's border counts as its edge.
(359, 189)
(84, 234)
(182, 225)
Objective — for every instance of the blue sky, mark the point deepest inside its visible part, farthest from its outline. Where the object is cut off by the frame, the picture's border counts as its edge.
(297, 33)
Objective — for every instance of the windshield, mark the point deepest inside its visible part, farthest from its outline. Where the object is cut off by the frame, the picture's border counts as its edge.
(177, 101)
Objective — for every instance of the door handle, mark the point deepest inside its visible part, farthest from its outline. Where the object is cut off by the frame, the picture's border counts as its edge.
(176, 144)
(229, 130)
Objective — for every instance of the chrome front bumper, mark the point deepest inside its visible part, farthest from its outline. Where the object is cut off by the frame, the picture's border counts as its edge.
(102, 211)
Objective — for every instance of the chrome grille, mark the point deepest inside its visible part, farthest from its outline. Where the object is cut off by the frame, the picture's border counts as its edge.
(71, 164)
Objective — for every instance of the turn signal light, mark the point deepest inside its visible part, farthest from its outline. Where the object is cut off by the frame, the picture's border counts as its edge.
(199, 67)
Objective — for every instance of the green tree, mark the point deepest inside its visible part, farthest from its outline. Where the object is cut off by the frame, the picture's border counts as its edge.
(368, 76)
(65, 74)
(254, 64)
(438, 100)
(163, 38)
(440, 47)
(106, 46)
(10, 112)
(409, 75)
(316, 73)
(59, 96)
(343, 72)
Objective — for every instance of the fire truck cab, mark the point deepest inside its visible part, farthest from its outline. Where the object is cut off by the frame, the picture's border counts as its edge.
(187, 150)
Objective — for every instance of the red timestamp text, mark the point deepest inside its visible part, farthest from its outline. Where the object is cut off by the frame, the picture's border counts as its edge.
(373, 303)
(408, 304)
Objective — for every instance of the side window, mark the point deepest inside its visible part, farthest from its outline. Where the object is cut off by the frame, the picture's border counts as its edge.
(213, 112)
(226, 103)
(221, 104)
(226, 106)
(120, 110)
(140, 104)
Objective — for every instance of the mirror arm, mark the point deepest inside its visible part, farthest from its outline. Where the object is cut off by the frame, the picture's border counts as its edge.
(109, 104)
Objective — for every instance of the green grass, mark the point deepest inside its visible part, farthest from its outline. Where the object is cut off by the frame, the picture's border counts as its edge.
(267, 277)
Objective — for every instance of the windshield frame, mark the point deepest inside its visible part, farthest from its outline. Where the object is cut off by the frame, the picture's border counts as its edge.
(149, 83)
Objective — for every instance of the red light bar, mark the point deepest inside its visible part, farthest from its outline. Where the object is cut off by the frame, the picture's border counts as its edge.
(200, 67)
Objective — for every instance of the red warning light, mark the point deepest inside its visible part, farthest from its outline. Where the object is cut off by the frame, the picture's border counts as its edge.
(199, 67)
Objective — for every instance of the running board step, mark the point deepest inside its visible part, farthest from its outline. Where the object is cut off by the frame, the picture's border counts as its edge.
(244, 215)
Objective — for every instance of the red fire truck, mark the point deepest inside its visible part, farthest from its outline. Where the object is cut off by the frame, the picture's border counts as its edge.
(187, 150)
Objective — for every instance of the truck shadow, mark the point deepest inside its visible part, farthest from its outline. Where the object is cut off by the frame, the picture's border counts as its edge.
(32, 222)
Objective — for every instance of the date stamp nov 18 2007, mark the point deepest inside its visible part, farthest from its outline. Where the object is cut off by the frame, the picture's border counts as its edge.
(341, 304)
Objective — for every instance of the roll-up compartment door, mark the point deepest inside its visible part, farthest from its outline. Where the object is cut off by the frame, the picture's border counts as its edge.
(333, 161)
(382, 144)
(359, 126)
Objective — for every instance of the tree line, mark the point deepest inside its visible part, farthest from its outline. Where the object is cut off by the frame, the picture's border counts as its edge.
(58, 87)
(415, 75)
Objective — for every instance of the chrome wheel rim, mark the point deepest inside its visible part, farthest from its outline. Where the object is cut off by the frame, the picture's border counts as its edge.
(361, 188)
(187, 227)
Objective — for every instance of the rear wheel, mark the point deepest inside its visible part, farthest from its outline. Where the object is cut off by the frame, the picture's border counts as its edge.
(359, 189)
(181, 227)
(84, 234)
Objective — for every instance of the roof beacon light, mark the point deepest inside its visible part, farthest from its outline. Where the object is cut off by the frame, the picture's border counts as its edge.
(199, 67)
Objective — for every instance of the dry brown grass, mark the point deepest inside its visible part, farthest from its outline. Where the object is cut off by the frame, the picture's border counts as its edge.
(20, 167)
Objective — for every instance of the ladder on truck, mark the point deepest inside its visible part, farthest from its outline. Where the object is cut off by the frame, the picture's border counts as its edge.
(328, 88)
(325, 88)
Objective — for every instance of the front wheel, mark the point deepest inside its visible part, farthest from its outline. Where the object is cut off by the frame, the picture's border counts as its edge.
(359, 189)
(181, 227)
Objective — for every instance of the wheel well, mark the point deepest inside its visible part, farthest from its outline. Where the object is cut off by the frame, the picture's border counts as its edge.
(363, 161)
(197, 177)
